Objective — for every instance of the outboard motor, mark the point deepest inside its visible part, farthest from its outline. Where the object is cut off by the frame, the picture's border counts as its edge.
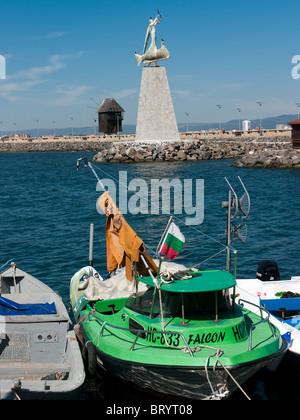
(267, 270)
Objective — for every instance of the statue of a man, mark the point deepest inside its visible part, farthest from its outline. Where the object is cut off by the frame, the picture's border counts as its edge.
(152, 55)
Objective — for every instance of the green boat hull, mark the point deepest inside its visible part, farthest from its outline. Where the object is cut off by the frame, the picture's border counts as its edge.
(219, 360)
(187, 382)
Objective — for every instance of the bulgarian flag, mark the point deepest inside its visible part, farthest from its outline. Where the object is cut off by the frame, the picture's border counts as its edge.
(171, 242)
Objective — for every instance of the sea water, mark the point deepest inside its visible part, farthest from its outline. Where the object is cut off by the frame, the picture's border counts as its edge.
(47, 207)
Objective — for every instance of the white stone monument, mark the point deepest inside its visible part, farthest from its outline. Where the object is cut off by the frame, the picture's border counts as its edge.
(156, 119)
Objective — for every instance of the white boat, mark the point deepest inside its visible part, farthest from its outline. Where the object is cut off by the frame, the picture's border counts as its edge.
(40, 357)
(281, 298)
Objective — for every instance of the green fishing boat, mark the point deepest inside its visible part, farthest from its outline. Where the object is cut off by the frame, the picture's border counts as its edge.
(179, 332)
(186, 338)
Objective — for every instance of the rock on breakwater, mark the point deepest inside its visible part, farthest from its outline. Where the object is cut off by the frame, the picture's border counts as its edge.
(189, 150)
(50, 146)
(289, 158)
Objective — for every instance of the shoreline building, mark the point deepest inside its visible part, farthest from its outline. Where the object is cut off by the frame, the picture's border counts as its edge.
(246, 125)
(110, 117)
(295, 133)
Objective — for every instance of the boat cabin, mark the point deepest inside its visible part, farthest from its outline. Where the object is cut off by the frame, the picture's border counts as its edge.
(203, 295)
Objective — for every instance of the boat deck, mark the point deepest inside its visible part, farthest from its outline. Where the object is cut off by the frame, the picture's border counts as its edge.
(37, 345)
(33, 371)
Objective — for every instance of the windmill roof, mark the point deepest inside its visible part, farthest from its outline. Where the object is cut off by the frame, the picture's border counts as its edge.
(110, 105)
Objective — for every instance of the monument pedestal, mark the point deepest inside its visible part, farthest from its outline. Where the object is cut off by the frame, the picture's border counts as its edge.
(156, 119)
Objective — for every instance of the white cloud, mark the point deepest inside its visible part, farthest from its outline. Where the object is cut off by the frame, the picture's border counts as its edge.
(69, 95)
(12, 91)
(54, 35)
(51, 35)
(185, 93)
(125, 93)
(56, 63)
(26, 80)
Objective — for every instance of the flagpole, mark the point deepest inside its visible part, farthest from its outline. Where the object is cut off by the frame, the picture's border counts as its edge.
(149, 271)
(164, 234)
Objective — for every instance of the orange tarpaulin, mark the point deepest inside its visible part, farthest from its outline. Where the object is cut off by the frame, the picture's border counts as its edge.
(123, 246)
(114, 222)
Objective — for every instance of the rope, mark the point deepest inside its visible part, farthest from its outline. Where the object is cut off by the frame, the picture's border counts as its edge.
(206, 371)
(93, 340)
(17, 398)
(16, 387)
(218, 353)
(98, 333)
(194, 349)
(207, 259)
(234, 380)
(168, 275)
(82, 319)
(7, 262)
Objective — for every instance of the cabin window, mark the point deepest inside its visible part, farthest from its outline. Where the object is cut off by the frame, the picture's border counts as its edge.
(194, 303)
(135, 327)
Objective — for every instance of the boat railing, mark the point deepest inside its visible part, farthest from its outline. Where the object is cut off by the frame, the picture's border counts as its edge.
(138, 332)
(263, 320)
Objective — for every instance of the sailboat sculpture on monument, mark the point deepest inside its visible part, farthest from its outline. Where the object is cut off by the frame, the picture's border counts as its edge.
(153, 54)
(177, 332)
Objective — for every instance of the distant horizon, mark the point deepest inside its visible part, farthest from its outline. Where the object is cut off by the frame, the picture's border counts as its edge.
(267, 123)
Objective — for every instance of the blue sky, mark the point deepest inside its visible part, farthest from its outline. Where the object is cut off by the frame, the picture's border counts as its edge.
(60, 54)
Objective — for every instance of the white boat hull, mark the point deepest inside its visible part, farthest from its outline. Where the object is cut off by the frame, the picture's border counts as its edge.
(254, 290)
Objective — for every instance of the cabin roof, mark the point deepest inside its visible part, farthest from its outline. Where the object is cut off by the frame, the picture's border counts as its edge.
(202, 281)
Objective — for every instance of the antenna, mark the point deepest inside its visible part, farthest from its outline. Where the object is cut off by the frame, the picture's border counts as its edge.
(242, 204)
(239, 232)
(244, 201)
(233, 201)
(237, 208)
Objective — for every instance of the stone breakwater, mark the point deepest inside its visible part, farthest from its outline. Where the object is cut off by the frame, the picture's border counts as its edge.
(190, 150)
(50, 146)
(255, 151)
(289, 158)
